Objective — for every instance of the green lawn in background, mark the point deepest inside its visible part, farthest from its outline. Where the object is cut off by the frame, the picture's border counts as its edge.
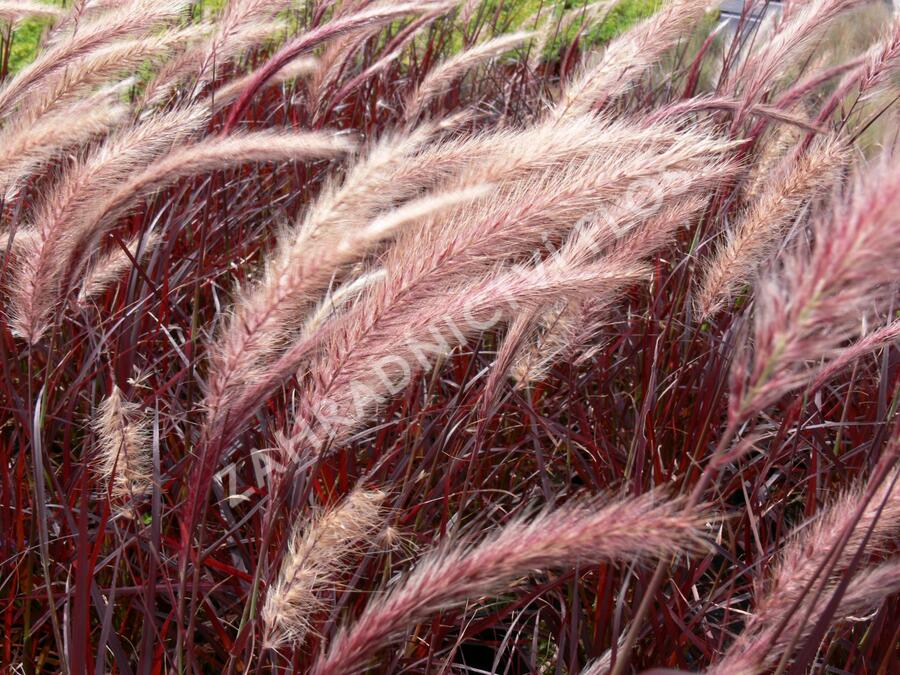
(28, 34)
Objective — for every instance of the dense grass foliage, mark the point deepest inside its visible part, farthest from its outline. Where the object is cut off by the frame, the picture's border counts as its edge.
(434, 337)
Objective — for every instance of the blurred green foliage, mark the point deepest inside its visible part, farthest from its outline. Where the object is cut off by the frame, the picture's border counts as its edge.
(623, 15)
(25, 40)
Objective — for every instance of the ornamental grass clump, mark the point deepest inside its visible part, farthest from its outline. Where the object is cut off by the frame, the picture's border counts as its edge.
(359, 336)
